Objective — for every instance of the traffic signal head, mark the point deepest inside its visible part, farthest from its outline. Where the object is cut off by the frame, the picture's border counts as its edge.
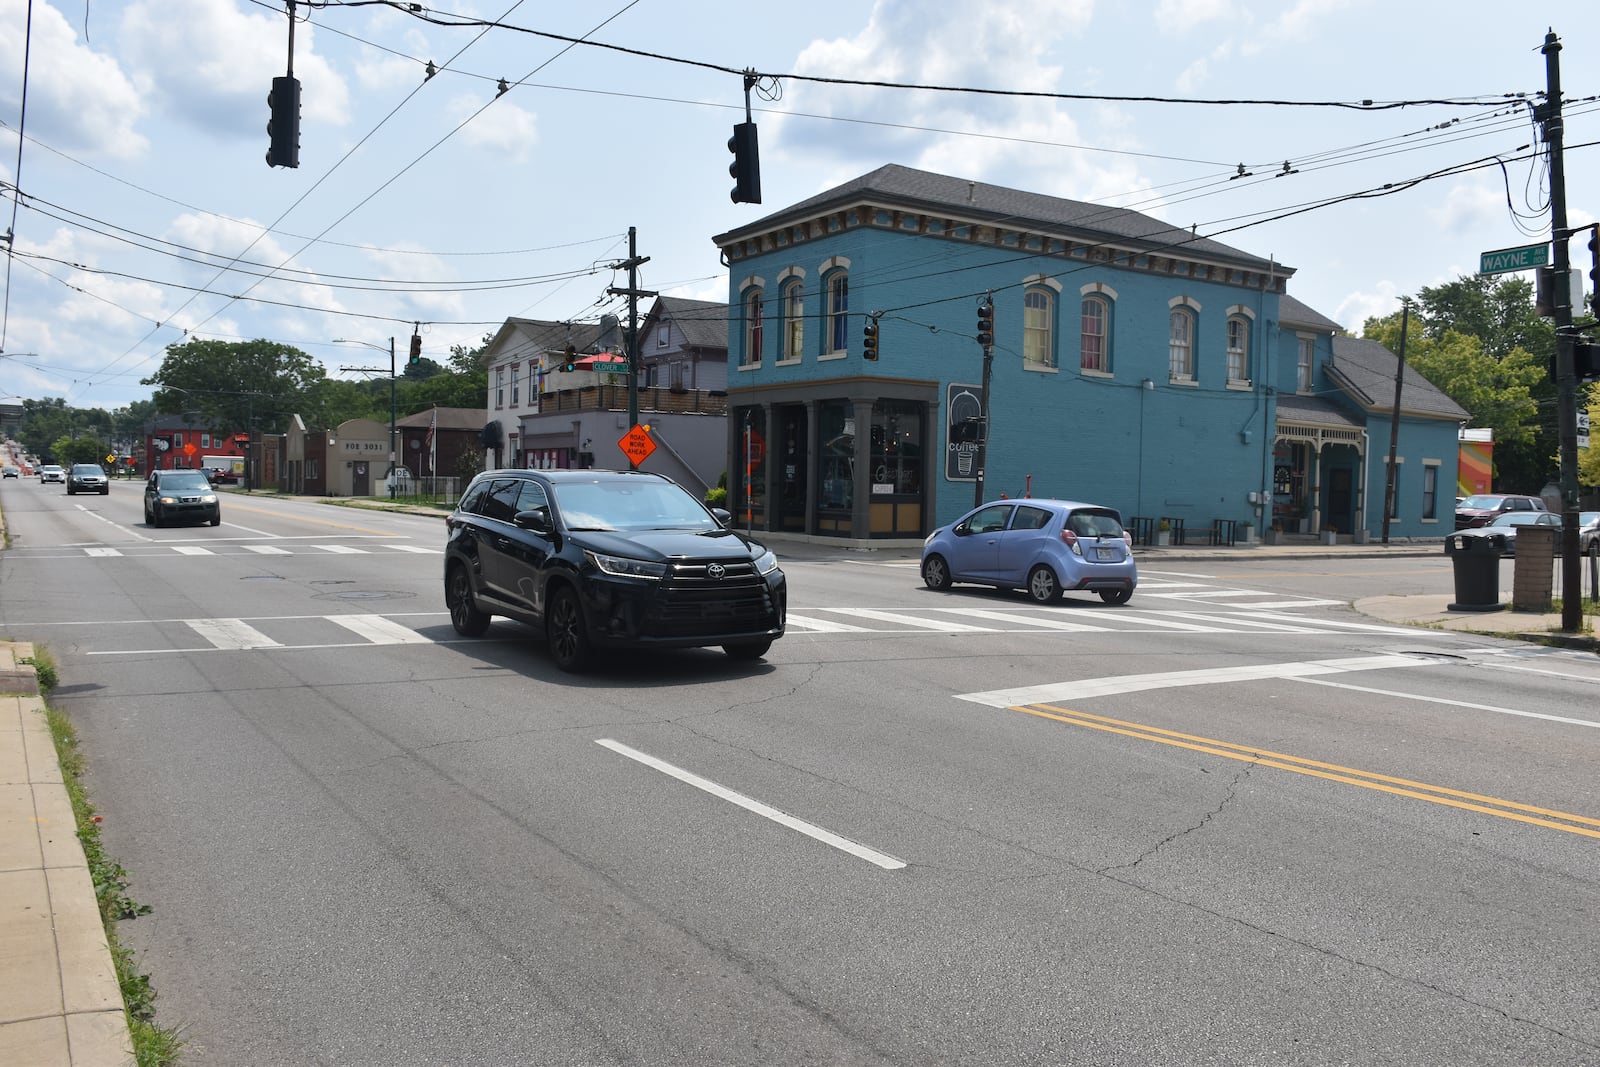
(745, 170)
(416, 351)
(1594, 269)
(869, 339)
(986, 322)
(570, 361)
(283, 127)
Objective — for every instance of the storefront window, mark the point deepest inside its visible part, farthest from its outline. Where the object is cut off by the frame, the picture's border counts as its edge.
(836, 429)
(896, 447)
(748, 497)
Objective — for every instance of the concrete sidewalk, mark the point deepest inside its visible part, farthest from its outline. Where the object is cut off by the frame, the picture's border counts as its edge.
(60, 1005)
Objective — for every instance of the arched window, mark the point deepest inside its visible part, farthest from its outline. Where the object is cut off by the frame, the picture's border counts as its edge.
(794, 319)
(1096, 336)
(1180, 345)
(1038, 327)
(1238, 349)
(753, 309)
(837, 313)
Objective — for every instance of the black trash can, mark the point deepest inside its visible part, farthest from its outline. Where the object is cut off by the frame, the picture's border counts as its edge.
(1477, 570)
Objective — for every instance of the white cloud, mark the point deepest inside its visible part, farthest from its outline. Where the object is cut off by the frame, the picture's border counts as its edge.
(1178, 17)
(1471, 206)
(212, 65)
(79, 100)
(1299, 25)
(503, 127)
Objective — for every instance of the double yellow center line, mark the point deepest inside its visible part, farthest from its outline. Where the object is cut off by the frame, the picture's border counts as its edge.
(1404, 787)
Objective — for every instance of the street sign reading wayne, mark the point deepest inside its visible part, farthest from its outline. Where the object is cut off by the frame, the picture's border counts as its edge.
(1509, 259)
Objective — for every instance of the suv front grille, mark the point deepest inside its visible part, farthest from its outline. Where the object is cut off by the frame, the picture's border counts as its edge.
(692, 603)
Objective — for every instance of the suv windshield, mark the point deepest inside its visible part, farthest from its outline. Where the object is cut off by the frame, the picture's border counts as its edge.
(86, 468)
(184, 480)
(631, 505)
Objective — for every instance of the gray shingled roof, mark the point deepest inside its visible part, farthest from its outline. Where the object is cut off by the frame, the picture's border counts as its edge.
(1293, 313)
(1365, 369)
(449, 418)
(941, 194)
(704, 322)
(1313, 409)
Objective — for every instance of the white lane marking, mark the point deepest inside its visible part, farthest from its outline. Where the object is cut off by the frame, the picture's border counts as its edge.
(1033, 622)
(251, 529)
(268, 550)
(416, 548)
(231, 633)
(1089, 688)
(1339, 624)
(1454, 703)
(1296, 626)
(911, 620)
(379, 630)
(827, 837)
(101, 552)
(343, 550)
(822, 626)
(192, 550)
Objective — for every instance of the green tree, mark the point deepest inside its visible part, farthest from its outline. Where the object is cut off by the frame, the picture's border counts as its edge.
(1496, 309)
(229, 384)
(70, 450)
(1589, 458)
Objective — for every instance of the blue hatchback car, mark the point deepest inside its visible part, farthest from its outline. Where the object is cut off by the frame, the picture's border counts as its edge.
(1043, 546)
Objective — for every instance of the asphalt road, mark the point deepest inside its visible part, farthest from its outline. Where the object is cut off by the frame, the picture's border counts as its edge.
(1232, 822)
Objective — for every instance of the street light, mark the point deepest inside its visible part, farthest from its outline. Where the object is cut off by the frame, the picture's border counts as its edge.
(394, 482)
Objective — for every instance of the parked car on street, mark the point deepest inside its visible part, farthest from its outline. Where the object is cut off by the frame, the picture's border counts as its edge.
(11, 472)
(87, 478)
(1043, 546)
(598, 559)
(181, 495)
(1481, 509)
(51, 473)
(1503, 530)
(1589, 533)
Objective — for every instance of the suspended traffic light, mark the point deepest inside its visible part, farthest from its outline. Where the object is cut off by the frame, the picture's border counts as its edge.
(869, 339)
(745, 170)
(283, 127)
(1594, 269)
(416, 351)
(986, 322)
(571, 361)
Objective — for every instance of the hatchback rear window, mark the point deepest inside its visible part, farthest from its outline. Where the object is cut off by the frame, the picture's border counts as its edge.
(1095, 524)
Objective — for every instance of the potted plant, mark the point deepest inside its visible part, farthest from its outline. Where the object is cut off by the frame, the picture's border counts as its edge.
(1329, 535)
(1163, 532)
(1274, 533)
(1247, 532)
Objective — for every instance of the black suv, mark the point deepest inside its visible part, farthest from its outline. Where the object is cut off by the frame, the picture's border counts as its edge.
(596, 558)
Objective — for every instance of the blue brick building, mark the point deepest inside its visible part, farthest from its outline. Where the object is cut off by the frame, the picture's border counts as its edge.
(1134, 365)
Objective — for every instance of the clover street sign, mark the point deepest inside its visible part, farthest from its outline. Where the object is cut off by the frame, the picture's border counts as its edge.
(1509, 259)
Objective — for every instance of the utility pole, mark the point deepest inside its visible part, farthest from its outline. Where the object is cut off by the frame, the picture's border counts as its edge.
(633, 293)
(1394, 421)
(986, 339)
(394, 457)
(1548, 114)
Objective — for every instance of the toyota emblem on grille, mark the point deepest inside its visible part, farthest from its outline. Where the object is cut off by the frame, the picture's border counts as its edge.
(716, 570)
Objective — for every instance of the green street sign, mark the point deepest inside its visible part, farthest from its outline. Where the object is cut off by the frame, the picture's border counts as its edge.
(1509, 259)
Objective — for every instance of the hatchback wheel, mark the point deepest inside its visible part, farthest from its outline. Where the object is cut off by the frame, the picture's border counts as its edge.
(1043, 585)
(1116, 596)
(565, 631)
(464, 614)
(936, 573)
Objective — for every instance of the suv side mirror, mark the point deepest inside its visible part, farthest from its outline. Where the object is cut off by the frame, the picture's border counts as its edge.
(537, 520)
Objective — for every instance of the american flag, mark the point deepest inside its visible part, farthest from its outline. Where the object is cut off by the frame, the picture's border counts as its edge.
(433, 424)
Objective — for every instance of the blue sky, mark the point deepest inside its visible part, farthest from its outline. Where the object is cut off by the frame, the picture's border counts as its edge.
(443, 201)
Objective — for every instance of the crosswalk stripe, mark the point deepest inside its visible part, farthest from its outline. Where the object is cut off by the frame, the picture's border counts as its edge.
(1036, 622)
(379, 630)
(419, 549)
(822, 626)
(268, 550)
(342, 550)
(231, 633)
(1241, 619)
(101, 552)
(192, 550)
(911, 620)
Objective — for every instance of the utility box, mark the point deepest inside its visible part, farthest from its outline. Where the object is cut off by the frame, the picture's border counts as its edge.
(1533, 576)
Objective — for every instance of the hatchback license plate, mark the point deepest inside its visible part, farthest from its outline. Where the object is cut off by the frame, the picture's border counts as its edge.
(1105, 553)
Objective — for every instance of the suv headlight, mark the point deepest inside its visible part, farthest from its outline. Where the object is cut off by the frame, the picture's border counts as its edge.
(624, 567)
(767, 563)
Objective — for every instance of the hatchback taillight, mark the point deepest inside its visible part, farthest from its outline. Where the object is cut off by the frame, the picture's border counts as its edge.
(1070, 539)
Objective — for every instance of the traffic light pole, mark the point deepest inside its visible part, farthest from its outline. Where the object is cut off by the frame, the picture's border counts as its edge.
(1549, 115)
(985, 321)
(633, 293)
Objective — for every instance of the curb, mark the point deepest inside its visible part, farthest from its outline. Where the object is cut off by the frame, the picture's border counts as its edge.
(60, 1004)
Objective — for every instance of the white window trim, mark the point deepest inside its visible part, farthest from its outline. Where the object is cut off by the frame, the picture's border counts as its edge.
(1311, 363)
(1437, 466)
(1099, 288)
